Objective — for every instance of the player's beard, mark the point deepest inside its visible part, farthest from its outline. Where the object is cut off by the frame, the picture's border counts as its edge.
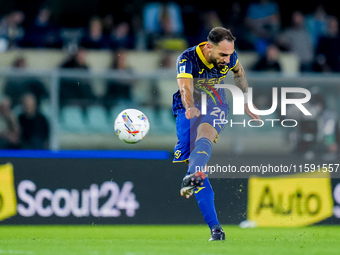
(216, 64)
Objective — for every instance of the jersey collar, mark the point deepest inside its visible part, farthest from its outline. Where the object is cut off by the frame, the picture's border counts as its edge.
(201, 56)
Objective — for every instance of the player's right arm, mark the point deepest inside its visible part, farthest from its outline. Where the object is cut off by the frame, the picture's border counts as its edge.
(185, 84)
(186, 88)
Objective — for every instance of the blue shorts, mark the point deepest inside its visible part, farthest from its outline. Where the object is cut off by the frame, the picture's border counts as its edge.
(187, 129)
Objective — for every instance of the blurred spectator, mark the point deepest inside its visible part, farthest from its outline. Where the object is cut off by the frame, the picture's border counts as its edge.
(16, 86)
(139, 35)
(11, 31)
(263, 20)
(120, 37)
(234, 20)
(328, 52)
(154, 13)
(210, 19)
(108, 24)
(327, 125)
(42, 33)
(269, 62)
(297, 40)
(118, 90)
(166, 61)
(317, 134)
(317, 24)
(95, 39)
(169, 39)
(9, 126)
(34, 126)
(73, 90)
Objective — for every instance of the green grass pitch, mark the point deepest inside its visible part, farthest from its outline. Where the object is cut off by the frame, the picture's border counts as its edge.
(145, 240)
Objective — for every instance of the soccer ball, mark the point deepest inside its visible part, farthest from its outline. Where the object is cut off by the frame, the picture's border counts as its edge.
(131, 126)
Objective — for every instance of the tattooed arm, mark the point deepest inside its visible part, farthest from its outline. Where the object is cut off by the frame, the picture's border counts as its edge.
(241, 81)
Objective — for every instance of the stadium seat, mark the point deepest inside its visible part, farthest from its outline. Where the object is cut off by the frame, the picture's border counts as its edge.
(72, 119)
(45, 108)
(97, 119)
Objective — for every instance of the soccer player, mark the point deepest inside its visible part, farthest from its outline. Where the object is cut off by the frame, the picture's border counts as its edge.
(198, 70)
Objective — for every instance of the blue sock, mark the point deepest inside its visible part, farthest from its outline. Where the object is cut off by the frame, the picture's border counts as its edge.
(200, 156)
(205, 198)
(204, 194)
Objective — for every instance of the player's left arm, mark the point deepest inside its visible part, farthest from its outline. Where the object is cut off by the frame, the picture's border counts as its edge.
(240, 79)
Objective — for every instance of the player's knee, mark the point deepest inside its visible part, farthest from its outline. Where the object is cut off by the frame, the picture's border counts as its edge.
(206, 130)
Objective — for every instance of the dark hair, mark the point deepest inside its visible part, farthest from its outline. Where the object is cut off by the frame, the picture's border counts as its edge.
(218, 34)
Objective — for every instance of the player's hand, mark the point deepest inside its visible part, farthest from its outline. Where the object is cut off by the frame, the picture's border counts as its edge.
(252, 115)
(192, 112)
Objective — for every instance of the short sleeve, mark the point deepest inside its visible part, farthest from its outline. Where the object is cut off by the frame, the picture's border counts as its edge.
(184, 67)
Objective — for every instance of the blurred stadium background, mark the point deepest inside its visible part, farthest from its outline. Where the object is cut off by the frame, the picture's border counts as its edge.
(67, 68)
(85, 62)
